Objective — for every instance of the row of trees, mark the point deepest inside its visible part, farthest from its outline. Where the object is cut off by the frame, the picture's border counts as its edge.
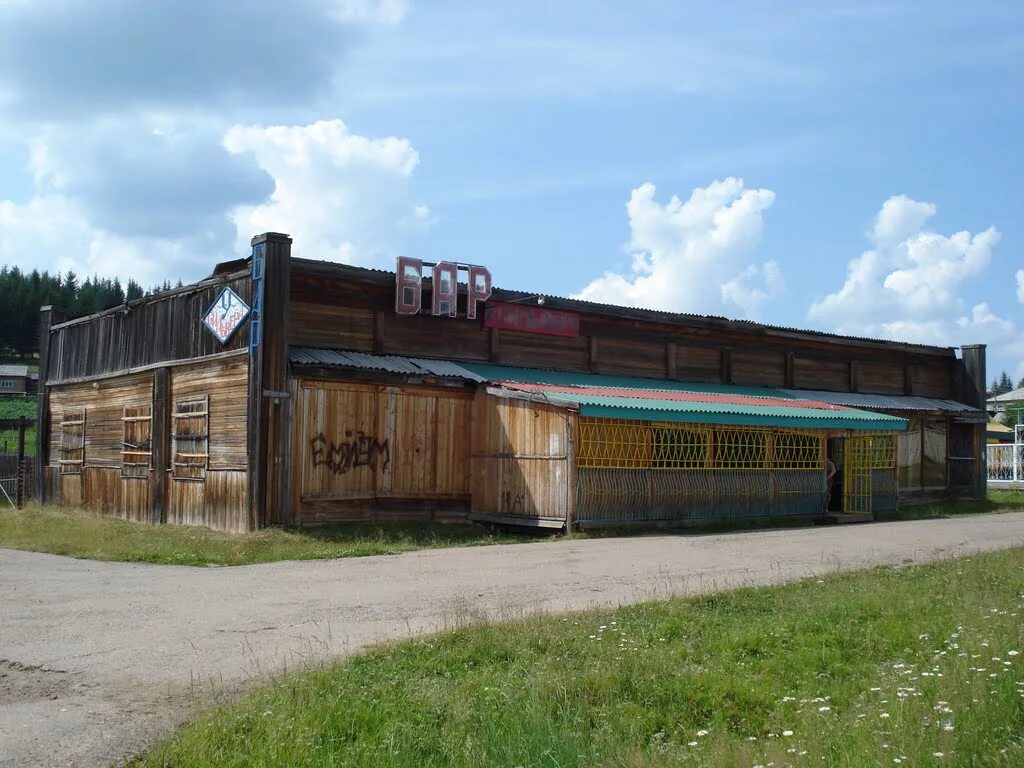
(1003, 383)
(23, 293)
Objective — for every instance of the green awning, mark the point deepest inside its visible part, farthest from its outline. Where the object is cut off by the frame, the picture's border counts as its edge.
(620, 397)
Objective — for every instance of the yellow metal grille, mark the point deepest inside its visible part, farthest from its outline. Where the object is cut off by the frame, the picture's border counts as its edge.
(614, 444)
(863, 454)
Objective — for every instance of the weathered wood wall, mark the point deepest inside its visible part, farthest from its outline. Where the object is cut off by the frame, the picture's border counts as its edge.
(144, 333)
(521, 460)
(221, 500)
(378, 452)
(355, 311)
(218, 502)
(100, 485)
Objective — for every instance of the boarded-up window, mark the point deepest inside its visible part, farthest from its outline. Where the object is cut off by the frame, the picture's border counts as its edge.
(72, 441)
(191, 439)
(136, 442)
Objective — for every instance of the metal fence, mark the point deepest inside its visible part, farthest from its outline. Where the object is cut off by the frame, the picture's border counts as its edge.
(1006, 464)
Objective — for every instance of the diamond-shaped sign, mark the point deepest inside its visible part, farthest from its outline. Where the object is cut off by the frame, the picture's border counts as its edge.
(226, 315)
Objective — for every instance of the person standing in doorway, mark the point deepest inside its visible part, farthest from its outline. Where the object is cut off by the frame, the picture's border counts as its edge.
(830, 476)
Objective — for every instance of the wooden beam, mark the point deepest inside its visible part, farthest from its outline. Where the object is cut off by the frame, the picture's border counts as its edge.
(48, 317)
(854, 375)
(378, 331)
(592, 351)
(670, 360)
(726, 366)
(494, 345)
(160, 441)
(790, 368)
(268, 369)
(908, 379)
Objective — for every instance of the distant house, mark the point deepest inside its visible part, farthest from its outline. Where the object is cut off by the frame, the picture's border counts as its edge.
(13, 379)
(1010, 403)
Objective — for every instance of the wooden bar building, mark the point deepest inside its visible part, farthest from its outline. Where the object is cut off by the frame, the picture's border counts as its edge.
(291, 391)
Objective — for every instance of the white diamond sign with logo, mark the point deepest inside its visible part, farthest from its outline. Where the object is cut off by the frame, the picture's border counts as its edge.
(226, 315)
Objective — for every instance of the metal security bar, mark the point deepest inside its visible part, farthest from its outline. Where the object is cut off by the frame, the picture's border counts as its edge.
(869, 460)
(642, 471)
(614, 444)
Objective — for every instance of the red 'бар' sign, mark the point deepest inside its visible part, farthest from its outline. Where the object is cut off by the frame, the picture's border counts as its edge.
(444, 288)
(522, 317)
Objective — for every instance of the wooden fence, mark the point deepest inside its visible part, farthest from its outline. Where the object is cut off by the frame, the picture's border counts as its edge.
(16, 469)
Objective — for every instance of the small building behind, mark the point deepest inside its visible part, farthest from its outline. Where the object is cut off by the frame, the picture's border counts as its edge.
(284, 390)
(14, 380)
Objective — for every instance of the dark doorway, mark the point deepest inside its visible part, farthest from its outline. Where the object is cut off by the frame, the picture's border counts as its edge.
(835, 491)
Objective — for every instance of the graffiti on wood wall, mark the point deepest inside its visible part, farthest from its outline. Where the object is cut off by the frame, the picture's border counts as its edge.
(358, 449)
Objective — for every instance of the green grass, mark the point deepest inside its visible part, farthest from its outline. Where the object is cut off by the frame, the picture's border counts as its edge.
(12, 408)
(916, 666)
(997, 501)
(82, 534)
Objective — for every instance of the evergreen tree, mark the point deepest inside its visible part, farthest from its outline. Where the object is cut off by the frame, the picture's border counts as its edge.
(23, 293)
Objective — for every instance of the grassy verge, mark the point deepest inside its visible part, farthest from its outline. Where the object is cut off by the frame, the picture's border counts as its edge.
(906, 666)
(997, 501)
(79, 533)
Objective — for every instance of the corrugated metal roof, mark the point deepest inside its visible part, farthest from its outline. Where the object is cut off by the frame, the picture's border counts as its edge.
(415, 366)
(575, 379)
(884, 402)
(627, 397)
(1008, 397)
(13, 370)
(714, 409)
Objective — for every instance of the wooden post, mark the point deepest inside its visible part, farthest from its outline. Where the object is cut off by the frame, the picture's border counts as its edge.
(726, 366)
(854, 376)
(48, 317)
(378, 331)
(19, 485)
(494, 353)
(571, 475)
(160, 429)
(670, 360)
(908, 379)
(974, 394)
(268, 380)
(592, 355)
(790, 366)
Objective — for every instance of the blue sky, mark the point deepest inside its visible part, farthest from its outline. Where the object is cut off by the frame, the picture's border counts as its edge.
(848, 166)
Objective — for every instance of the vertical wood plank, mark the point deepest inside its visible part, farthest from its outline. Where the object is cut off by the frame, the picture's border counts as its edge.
(726, 366)
(48, 316)
(670, 360)
(159, 436)
(790, 368)
(592, 352)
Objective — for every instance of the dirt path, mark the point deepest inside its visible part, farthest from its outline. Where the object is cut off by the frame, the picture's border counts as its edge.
(99, 659)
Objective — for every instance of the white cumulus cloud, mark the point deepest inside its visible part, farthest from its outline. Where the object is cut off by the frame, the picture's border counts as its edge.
(1020, 285)
(345, 197)
(908, 284)
(694, 256)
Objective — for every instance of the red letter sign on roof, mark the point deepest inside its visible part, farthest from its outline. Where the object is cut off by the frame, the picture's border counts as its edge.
(479, 289)
(408, 286)
(445, 298)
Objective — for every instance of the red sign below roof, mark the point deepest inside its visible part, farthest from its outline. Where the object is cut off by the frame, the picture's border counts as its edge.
(530, 319)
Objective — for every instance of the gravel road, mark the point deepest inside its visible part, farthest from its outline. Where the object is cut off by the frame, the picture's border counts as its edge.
(97, 660)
